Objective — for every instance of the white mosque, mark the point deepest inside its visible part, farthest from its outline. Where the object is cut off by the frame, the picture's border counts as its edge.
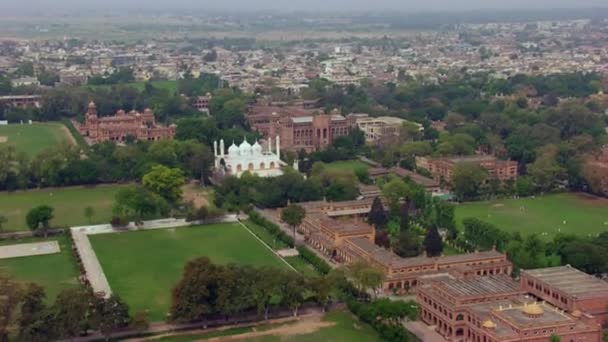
(247, 157)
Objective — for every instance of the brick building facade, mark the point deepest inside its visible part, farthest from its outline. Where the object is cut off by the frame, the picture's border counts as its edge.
(141, 126)
(443, 168)
(497, 309)
(299, 127)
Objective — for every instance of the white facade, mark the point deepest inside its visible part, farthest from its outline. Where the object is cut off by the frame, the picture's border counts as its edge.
(246, 157)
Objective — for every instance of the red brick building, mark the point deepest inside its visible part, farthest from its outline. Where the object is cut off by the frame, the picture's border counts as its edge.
(298, 126)
(443, 168)
(569, 289)
(141, 126)
(496, 309)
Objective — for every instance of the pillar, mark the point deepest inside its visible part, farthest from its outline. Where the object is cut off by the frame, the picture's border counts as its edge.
(278, 140)
(215, 148)
(222, 149)
(269, 144)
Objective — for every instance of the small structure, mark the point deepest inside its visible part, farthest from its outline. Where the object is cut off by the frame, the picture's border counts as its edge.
(247, 157)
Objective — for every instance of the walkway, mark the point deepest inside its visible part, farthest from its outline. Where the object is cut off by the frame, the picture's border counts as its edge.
(424, 332)
(29, 249)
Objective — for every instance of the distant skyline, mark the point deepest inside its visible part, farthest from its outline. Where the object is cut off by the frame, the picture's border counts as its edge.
(298, 5)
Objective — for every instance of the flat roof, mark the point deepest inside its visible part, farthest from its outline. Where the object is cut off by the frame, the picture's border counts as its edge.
(571, 281)
(480, 287)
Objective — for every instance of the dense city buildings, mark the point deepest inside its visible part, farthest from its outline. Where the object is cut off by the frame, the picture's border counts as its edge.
(496, 308)
(139, 126)
(443, 168)
(21, 101)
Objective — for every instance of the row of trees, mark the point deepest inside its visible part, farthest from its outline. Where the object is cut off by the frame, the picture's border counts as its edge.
(585, 253)
(75, 311)
(65, 165)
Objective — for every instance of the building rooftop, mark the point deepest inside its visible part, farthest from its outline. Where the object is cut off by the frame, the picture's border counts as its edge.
(480, 287)
(571, 281)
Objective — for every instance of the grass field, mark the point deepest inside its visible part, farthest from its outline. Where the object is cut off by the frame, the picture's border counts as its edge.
(69, 204)
(142, 267)
(344, 328)
(548, 215)
(54, 272)
(347, 165)
(34, 138)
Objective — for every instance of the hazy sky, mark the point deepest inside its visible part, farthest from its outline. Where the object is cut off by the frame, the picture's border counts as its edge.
(333, 5)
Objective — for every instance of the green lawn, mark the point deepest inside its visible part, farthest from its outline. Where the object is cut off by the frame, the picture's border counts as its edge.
(265, 236)
(34, 138)
(345, 328)
(142, 267)
(548, 215)
(347, 165)
(69, 204)
(302, 266)
(54, 272)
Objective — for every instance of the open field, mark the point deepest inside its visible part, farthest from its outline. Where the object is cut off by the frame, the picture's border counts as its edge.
(336, 326)
(347, 165)
(548, 215)
(54, 272)
(69, 204)
(142, 267)
(34, 138)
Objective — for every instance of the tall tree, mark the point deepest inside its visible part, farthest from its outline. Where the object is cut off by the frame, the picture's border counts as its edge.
(193, 296)
(293, 215)
(467, 180)
(166, 182)
(35, 320)
(404, 211)
(38, 218)
(9, 301)
(377, 215)
(71, 312)
(407, 244)
(433, 244)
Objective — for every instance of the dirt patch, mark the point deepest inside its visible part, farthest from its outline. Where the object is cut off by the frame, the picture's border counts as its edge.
(193, 193)
(304, 326)
(592, 199)
(3, 139)
(498, 205)
(68, 135)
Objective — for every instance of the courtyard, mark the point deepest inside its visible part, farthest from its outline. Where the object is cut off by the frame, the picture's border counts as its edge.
(567, 213)
(143, 266)
(69, 204)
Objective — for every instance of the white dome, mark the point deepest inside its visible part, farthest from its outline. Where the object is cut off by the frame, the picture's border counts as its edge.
(245, 148)
(257, 148)
(233, 150)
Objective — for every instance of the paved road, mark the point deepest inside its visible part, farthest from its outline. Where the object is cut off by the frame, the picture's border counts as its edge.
(424, 332)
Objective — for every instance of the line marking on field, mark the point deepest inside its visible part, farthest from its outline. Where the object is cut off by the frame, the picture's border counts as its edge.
(266, 245)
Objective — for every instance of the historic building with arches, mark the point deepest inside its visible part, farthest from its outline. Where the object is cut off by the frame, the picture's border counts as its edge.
(246, 157)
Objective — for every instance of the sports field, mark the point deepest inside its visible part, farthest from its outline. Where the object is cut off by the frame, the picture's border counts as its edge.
(34, 138)
(142, 267)
(570, 213)
(54, 272)
(347, 165)
(69, 204)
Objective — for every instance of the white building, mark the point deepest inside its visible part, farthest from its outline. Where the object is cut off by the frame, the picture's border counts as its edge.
(247, 157)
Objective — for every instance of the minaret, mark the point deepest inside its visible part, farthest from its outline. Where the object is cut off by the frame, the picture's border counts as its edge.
(278, 147)
(222, 150)
(269, 144)
(215, 154)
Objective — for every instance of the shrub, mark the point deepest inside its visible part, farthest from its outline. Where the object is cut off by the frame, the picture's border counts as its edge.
(308, 255)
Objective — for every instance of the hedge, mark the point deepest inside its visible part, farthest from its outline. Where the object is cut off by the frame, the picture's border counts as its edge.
(318, 263)
(272, 228)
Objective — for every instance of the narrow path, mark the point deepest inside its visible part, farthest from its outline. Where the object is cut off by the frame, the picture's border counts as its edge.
(270, 248)
(92, 267)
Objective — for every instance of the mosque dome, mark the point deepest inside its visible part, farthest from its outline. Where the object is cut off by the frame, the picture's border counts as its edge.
(489, 324)
(245, 148)
(233, 150)
(257, 148)
(533, 310)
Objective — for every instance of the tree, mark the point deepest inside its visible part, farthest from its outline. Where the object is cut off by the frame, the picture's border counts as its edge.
(266, 285)
(138, 203)
(194, 294)
(394, 191)
(112, 314)
(555, 338)
(467, 180)
(404, 211)
(377, 215)
(166, 182)
(293, 215)
(71, 312)
(88, 213)
(407, 244)
(38, 218)
(292, 291)
(3, 220)
(140, 321)
(433, 244)
(35, 320)
(9, 301)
